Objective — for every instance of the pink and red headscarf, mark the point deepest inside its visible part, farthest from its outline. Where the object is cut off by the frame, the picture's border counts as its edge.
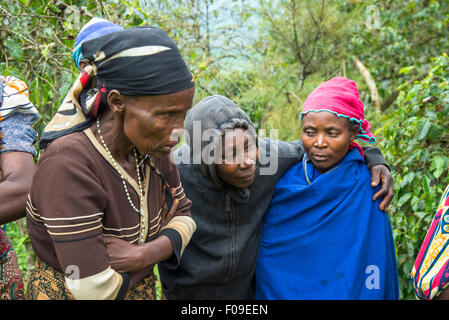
(340, 97)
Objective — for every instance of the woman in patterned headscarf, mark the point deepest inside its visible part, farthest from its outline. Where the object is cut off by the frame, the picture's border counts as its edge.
(17, 136)
(104, 186)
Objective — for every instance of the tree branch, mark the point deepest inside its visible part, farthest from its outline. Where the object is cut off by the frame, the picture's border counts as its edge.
(370, 82)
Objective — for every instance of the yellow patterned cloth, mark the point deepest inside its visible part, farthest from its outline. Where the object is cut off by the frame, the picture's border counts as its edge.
(430, 272)
(46, 283)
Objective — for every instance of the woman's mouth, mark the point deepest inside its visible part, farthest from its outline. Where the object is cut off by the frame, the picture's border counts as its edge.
(169, 147)
(320, 157)
(248, 177)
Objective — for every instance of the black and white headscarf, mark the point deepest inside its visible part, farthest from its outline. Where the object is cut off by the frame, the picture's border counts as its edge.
(139, 61)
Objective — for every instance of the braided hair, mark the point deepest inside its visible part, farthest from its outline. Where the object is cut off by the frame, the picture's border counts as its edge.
(168, 195)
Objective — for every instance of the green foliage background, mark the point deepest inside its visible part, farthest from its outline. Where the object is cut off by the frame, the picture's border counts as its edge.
(267, 56)
(415, 143)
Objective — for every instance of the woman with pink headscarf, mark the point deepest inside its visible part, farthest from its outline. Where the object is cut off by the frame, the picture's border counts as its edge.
(323, 235)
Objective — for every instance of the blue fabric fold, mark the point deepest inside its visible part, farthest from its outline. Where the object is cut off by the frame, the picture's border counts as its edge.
(324, 238)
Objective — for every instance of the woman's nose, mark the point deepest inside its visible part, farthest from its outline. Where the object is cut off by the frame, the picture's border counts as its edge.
(320, 141)
(247, 162)
(176, 134)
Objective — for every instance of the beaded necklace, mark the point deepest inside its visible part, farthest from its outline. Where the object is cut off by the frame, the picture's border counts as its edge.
(116, 166)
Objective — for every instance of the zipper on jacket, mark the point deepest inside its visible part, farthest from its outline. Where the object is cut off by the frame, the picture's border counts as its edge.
(228, 202)
(233, 234)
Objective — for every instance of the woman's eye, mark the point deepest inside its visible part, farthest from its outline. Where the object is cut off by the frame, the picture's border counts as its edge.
(169, 114)
(309, 132)
(229, 156)
(229, 160)
(250, 147)
(333, 134)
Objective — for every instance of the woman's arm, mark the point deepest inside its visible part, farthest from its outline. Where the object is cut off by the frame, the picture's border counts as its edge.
(126, 257)
(177, 227)
(16, 164)
(444, 295)
(380, 173)
(17, 172)
(137, 260)
(140, 259)
(69, 200)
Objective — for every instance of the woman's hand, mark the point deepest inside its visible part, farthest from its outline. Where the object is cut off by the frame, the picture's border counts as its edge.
(166, 215)
(123, 256)
(126, 257)
(380, 173)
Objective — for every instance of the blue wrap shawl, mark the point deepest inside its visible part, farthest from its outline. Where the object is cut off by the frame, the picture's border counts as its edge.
(324, 238)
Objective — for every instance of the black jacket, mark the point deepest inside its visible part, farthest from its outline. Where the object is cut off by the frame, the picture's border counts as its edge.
(220, 259)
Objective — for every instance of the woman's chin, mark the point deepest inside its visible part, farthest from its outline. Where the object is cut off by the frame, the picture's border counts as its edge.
(160, 152)
(245, 183)
(323, 166)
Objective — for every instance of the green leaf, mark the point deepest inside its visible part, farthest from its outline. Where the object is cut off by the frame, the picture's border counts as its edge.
(404, 199)
(426, 184)
(438, 165)
(424, 129)
(406, 70)
(411, 94)
(44, 50)
(15, 49)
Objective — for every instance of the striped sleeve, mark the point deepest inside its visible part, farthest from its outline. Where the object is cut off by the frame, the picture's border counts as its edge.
(182, 227)
(68, 199)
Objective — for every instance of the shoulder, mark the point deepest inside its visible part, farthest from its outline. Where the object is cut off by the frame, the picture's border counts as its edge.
(168, 169)
(292, 175)
(276, 156)
(353, 168)
(74, 144)
(283, 149)
(74, 149)
(69, 165)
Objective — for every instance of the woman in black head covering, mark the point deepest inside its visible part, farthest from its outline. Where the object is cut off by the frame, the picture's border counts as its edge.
(105, 176)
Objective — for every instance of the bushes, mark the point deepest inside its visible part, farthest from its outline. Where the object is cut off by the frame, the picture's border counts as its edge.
(415, 142)
(262, 76)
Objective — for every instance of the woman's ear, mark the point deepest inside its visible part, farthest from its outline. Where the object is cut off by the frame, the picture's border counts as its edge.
(116, 101)
(354, 129)
(83, 64)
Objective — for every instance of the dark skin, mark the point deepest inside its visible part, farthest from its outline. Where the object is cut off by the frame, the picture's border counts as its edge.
(16, 175)
(379, 174)
(240, 173)
(444, 295)
(83, 64)
(239, 156)
(326, 140)
(146, 123)
(126, 257)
